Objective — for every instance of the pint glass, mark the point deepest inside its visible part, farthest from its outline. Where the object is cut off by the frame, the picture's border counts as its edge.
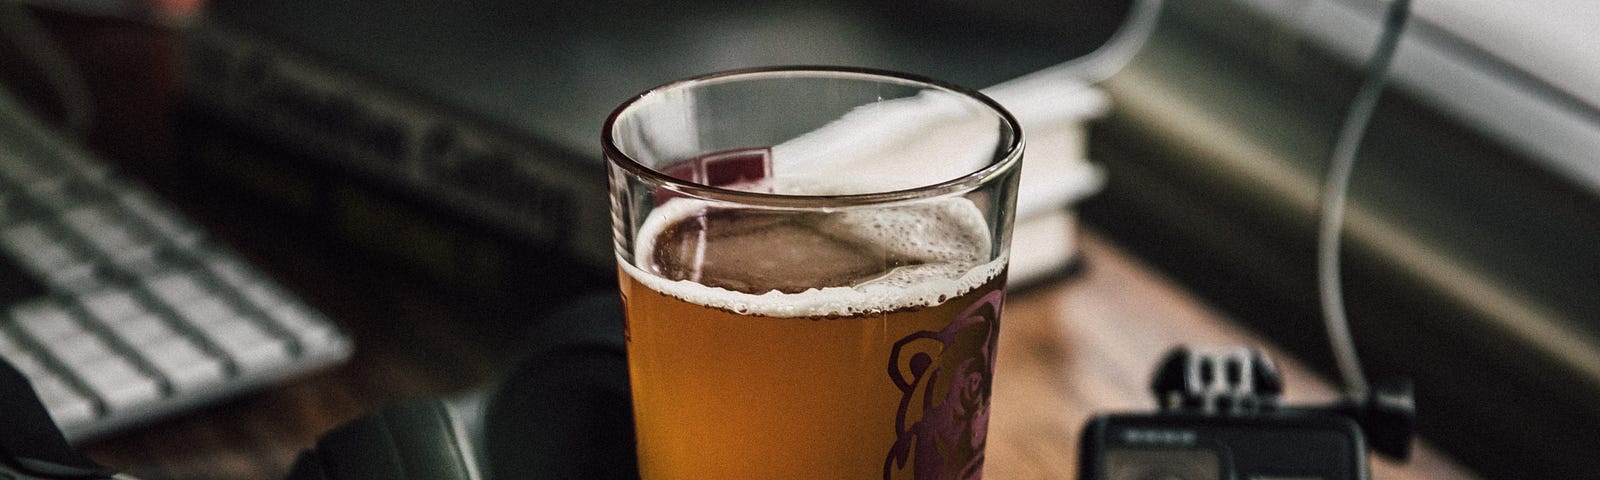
(813, 263)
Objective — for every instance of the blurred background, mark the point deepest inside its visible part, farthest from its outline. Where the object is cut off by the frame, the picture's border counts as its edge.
(412, 132)
(1470, 260)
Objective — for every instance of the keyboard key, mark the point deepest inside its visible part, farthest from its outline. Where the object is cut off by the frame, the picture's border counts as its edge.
(81, 348)
(13, 206)
(205, 310)
(141, 329)
(184, 365)
(117, 382)
(83, 165)
(162, 218)
(315, 333)
(311, 330)
(176, 287)
(8, 345)
(110, 305)
(45, 321)
(47, 253)
(40, 248)
(262, 295)
(29, 364)
(63, 194)
(247, 345)
(22, 171)
(143, 317)
(112, 236)
(65, 404)
(230, 271)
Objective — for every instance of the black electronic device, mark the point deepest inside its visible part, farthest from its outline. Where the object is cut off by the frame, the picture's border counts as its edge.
(1221, 419)
(562, 411)
(1220, 414)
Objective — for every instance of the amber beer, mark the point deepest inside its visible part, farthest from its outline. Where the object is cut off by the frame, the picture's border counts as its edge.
(855, 344)
(812, 261)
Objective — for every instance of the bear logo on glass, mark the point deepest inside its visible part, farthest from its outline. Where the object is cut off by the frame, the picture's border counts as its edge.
(944, 379)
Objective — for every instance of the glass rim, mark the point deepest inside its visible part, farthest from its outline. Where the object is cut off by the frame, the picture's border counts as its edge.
(1007, 161)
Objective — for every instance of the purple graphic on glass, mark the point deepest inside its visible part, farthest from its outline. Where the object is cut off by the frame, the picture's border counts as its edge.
(944, 379)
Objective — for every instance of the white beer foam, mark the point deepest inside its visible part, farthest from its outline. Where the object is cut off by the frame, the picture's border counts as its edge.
(949, 234)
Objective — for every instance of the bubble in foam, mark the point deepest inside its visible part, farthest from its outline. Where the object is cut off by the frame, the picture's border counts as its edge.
(948, 238)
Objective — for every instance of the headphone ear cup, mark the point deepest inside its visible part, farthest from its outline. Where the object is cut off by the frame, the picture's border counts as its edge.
(307, 466)
(564, 411)
(414, 439)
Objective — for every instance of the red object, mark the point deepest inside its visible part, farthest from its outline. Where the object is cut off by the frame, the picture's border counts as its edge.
(720, 169)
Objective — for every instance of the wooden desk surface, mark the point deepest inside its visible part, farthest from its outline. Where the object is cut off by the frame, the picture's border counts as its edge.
(1070, 348)
(1087, 345)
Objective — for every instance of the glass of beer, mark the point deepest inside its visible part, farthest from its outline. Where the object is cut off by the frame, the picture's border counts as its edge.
(813, 263)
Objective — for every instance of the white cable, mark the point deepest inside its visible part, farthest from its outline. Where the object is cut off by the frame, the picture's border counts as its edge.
(1104, 61)
(1334, 193)
(1120, 49)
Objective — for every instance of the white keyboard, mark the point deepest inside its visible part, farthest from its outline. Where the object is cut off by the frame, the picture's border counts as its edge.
(117, 309)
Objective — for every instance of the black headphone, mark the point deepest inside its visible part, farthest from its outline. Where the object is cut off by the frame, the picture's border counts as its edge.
(563, 411)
